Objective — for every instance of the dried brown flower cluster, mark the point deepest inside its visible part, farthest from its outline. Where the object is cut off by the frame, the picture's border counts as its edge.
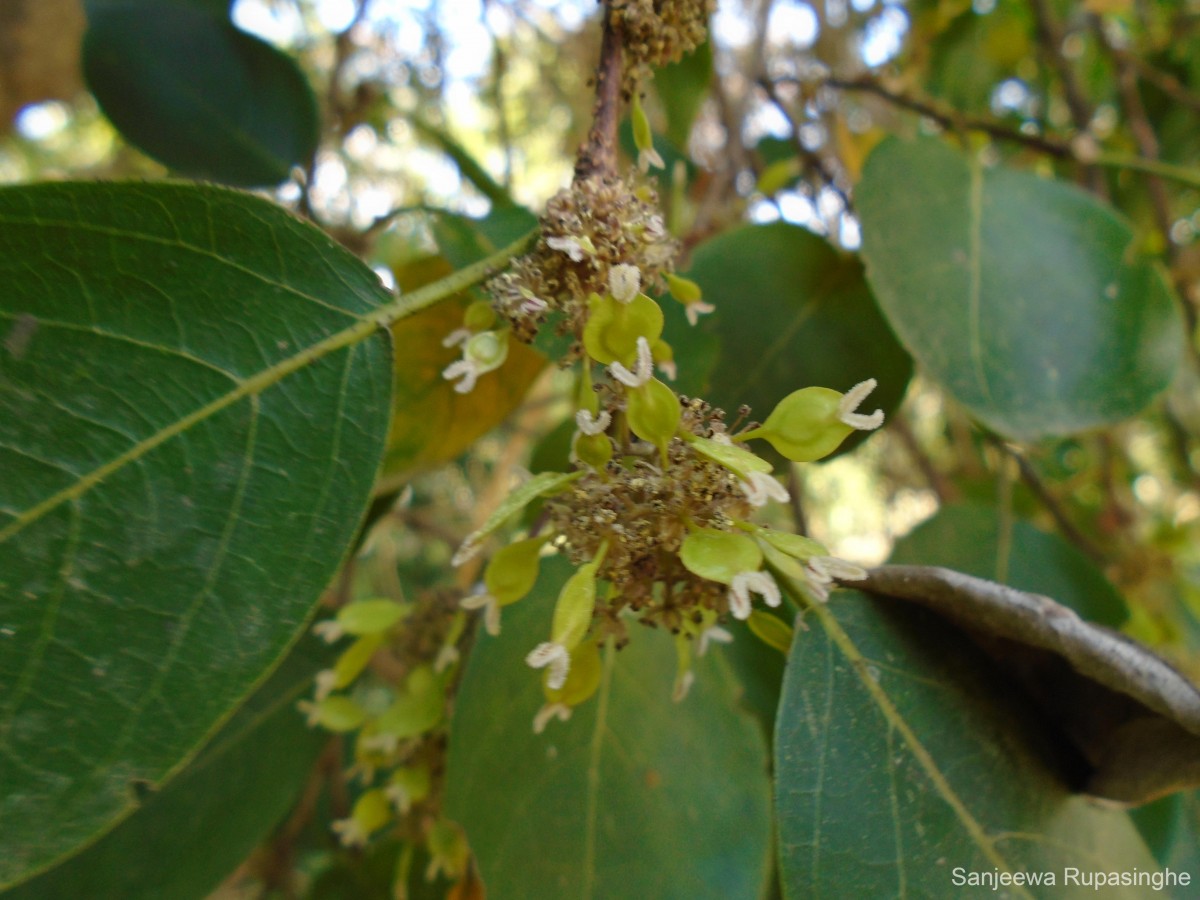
(658, 32)
(595, 224)
(643, 509)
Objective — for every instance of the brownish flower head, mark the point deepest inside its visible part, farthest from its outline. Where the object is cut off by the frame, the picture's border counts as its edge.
(595, 224)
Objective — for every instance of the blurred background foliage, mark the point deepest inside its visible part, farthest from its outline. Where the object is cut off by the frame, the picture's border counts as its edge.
(440, 121)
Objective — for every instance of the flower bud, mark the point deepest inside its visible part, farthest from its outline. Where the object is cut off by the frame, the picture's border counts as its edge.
(583, 678)
(653, 412)
(613, 328)
(512, 571)
(684, 289)
(593, 450)
(352, 662)
(371, 616)
(338, 713)
(771, 630)
(416, 710)
(719, 555)
(479, 316)
(576, 603)
(643, 137)
(408, 785)
(805, 425)
(371, 812)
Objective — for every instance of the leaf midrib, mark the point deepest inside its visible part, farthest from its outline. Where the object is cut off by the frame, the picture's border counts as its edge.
(360, 330)
(896, 721)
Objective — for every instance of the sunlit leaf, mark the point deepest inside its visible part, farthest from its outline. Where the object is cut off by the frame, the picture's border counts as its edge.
(433, 423)
(1018, 294)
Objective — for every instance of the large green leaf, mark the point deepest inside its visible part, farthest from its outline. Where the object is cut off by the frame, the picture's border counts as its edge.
(792, 312)
(225, 802)
(635, 796)
(967, 538)
(902, 756)
(1017, 293)
(191, 90)
(188, 434)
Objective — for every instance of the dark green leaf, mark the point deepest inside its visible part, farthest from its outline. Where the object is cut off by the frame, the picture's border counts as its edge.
(224, 803)
(183, 84)
(184, 465)
(1171, 828)
(902, 755)
(792, 312)
(966, 538)
(635, 796)
(1017, 293)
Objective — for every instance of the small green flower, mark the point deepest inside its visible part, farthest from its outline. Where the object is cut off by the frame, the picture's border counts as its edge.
(810, 423)
(572, 619)
(482, 353)
(509, 576)
(371, 812)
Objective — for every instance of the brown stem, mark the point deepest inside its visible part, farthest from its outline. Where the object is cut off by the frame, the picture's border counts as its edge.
(811, 160)
(942, 487)
(1034, 482)
(950, 118)
(598, 155)
(1050, 37)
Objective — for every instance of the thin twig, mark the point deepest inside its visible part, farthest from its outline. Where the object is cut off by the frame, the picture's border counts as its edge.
(1142, 131)
(1050, 37)
(1034, 482)
(598, 155)
(948, 117)
(811, 159)
(942, 487)
(1164, 81)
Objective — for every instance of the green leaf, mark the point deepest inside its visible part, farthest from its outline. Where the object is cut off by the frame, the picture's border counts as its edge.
(1171, 828)
(791, 313)
(635, 796)
(188, 435)
(225, 802)
(184, 85)
(1018, 294)
(966, 538)
(901, 756)
(682, 87)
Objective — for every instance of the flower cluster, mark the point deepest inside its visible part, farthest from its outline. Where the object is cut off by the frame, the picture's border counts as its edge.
(389, 689)
(656, 514)
(658, 32)
(588, 229)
